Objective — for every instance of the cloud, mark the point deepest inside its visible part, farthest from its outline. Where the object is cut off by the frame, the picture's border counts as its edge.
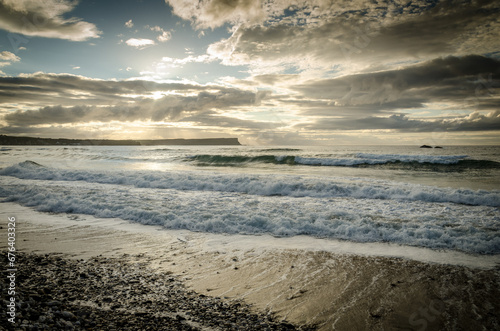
(63, 99)
(44, 19)
(140, 43)
(48, 89)
(453, 94)
(174, 63)
(164, 36)
(170, 107)
(457, 93)
(442, 79)
(216, 120)
(401, 122)
(129, 24)
(360, 35)
(214, 13)
(8, 56)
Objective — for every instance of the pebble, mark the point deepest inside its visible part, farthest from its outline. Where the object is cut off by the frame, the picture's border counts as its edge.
(121, 294)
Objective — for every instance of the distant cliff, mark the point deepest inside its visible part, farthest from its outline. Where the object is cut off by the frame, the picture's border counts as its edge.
(10, 140)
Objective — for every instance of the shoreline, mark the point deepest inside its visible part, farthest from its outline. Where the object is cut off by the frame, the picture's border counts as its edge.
(333, 288)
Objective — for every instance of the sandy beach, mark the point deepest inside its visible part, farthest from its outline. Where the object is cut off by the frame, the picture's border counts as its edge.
(299, 281)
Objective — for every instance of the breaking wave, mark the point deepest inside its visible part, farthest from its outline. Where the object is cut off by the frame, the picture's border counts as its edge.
(264, 185)
(416, 162)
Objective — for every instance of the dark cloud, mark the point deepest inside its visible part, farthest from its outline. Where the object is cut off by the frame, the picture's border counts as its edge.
(67, 90)
(314, 108)
(82, 100)
(221, 121)
(60, 88)
(401, 122)
(466, 85)
(449, 78)
(75, 114)
(448, 27)
(367, 33)
(173, 107)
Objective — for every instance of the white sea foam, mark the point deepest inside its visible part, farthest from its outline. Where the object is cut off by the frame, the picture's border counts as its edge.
(266, 185)
(352, 209)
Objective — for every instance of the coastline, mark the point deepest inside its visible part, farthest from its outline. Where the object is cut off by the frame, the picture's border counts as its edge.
(36, 141)
(334, 289)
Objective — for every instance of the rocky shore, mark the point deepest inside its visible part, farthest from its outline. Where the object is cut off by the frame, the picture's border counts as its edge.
(54, 293)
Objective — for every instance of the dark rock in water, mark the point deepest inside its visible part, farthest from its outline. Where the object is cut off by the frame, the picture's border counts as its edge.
(425, 146)
(438, 147)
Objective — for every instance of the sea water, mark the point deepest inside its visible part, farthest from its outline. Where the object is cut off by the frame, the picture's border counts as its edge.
(445, 198)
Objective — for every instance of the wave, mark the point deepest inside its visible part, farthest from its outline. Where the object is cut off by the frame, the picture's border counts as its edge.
(415, 162)
(280, 150)
(472, 229)
(263, 185)
(362, 210)
(236, 160)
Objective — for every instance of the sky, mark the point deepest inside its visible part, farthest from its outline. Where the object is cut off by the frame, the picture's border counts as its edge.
(269, 72)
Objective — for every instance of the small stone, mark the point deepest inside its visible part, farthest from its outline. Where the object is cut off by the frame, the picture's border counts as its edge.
(67, 324)
(54, 303)
(68, 315)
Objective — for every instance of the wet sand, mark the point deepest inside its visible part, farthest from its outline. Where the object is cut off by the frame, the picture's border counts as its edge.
(327, 286)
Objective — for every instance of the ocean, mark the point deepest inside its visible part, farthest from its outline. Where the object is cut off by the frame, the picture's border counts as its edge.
(443, 199)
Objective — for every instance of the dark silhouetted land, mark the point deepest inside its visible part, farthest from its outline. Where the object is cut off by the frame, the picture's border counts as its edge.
(10, 140)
